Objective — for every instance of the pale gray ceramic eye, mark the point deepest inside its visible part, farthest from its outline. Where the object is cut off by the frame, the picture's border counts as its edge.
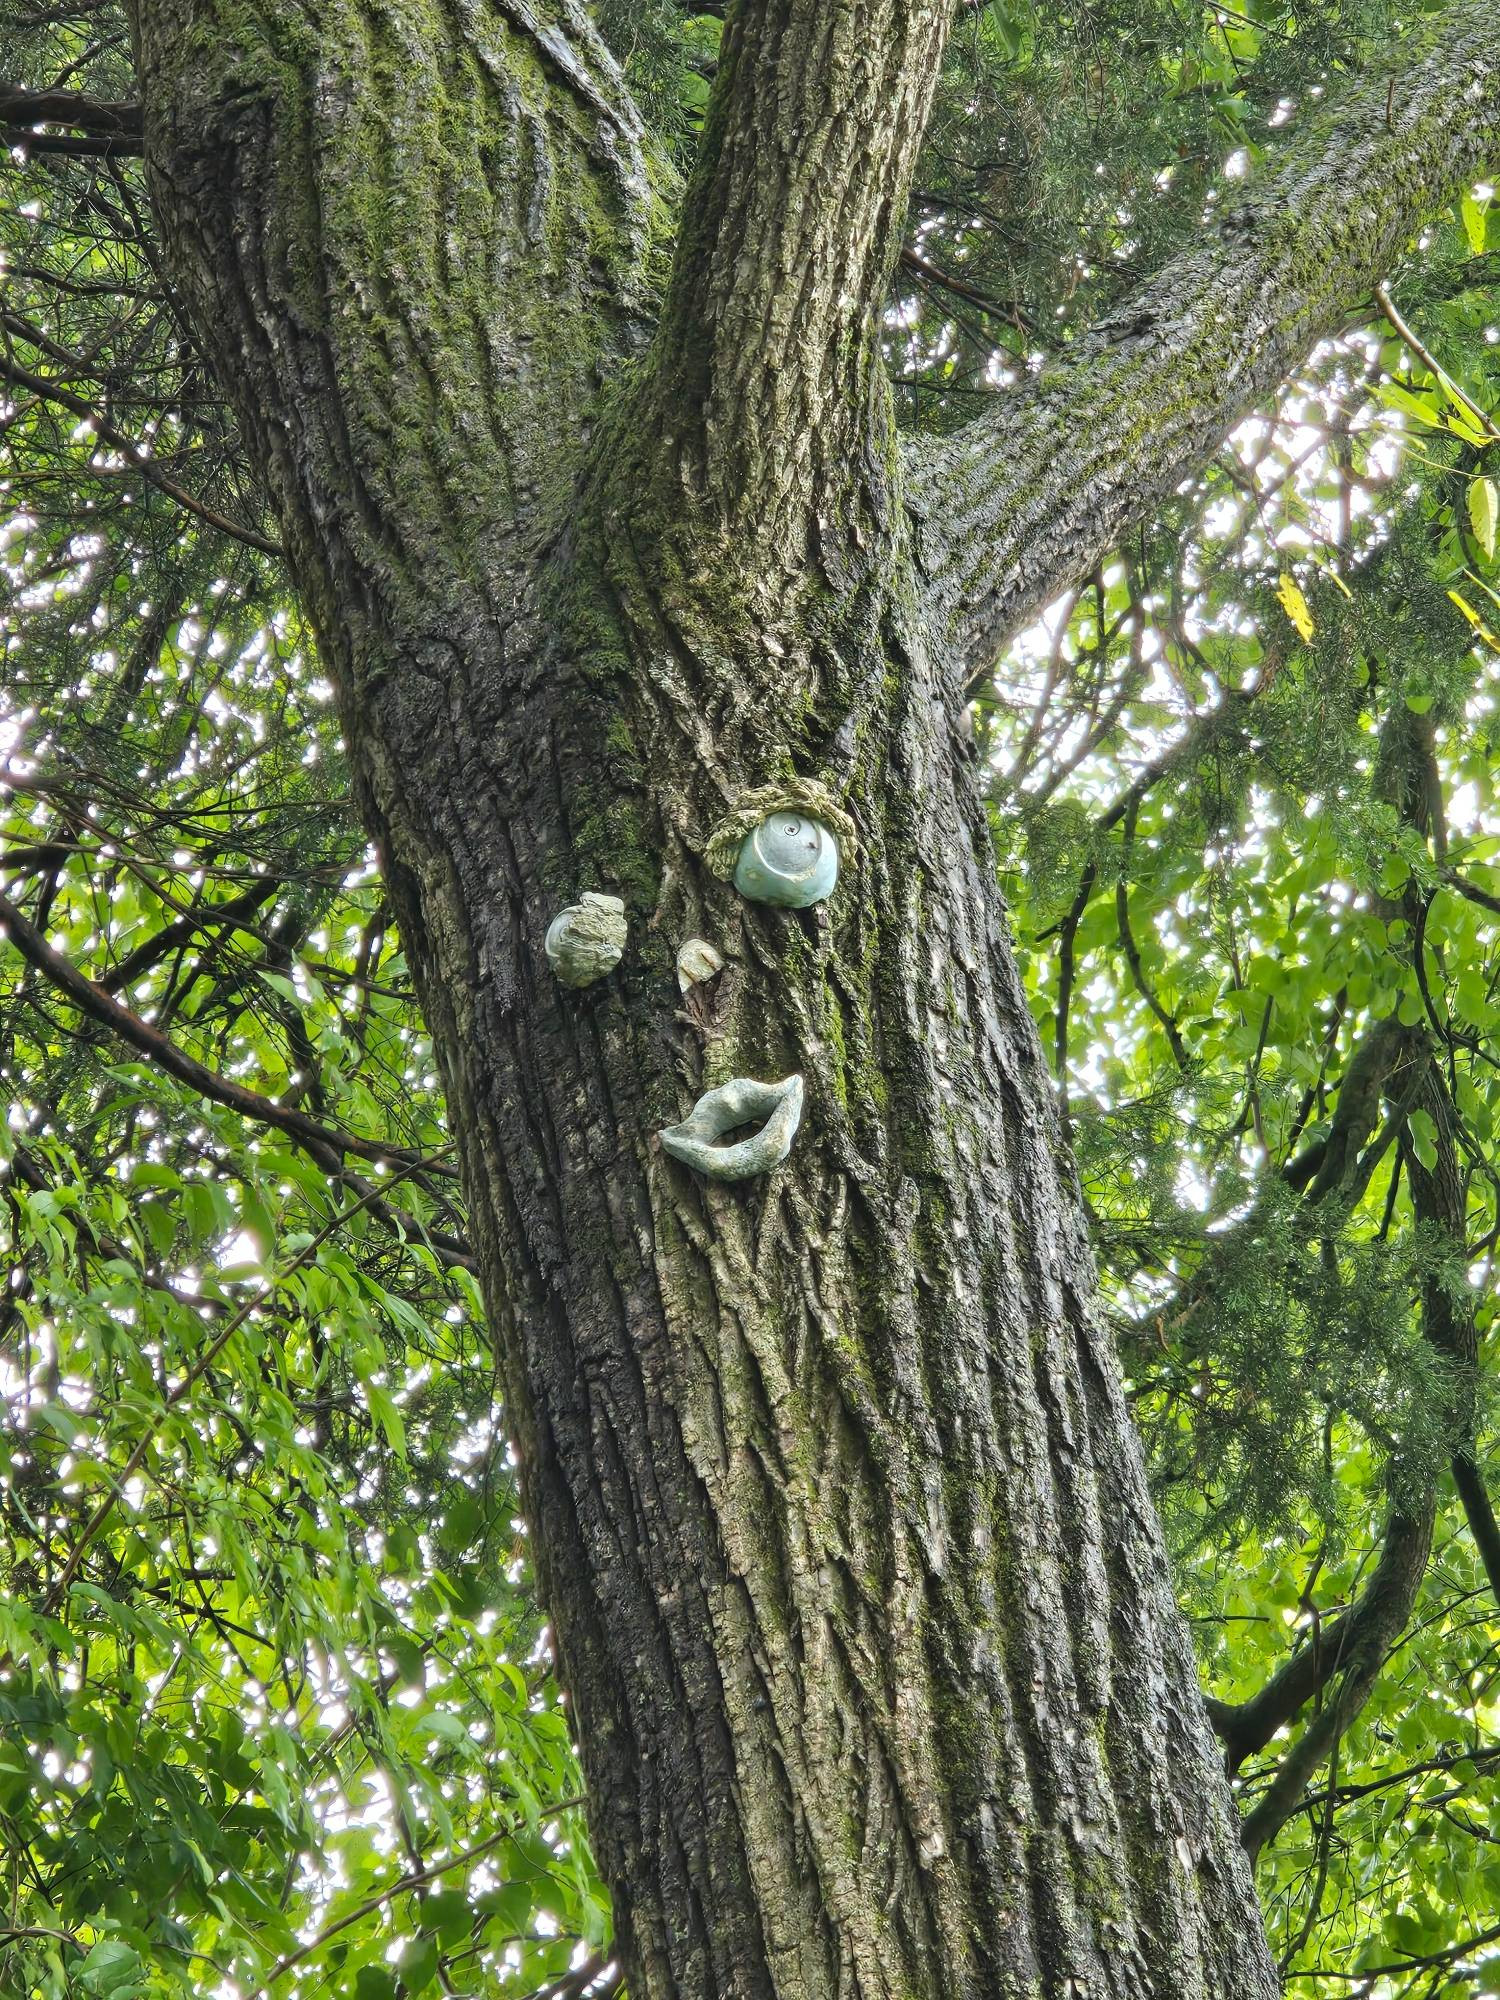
(587, 939)
(696, 1140)
(790, 859)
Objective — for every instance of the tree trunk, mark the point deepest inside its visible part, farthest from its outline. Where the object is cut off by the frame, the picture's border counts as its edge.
(858, 1591)
(858, 1594)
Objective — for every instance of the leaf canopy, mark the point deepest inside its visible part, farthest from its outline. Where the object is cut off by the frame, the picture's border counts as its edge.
(276, 1705)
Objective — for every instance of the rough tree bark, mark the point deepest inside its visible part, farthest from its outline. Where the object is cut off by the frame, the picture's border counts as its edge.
(857, 1587)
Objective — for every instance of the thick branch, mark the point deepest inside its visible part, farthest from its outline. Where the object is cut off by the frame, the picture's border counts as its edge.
(1365, 1638)
(117, 119)
(1408, 775)
(71, 145)
(1344, 1645)
(1354, 1648)
(427, 228)
(93, 127)
(1030, 496)
(767, 360)
(1440, 1202)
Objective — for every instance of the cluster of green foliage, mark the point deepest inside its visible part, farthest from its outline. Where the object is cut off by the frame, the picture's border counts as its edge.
(274, 1693)
(276, 1713)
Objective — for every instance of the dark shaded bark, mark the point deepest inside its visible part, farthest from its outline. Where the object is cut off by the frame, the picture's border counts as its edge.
(858, 1590)
(70, 108)
(93, 127)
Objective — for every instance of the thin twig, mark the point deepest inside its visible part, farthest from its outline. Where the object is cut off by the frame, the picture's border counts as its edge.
(91, 1528)
(1430, 361)
(164, 1053)
(415, 1880)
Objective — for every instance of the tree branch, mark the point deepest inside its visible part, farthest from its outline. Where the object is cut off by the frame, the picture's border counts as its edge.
(71, 145)
(206, 916)
(401, 1887)
(1435, 367)
(1471, 891)
(1133, 954)
(1439, 1200)
(1010, 312)
(140, 460)
(1355, 1648)
(118, 120)
(1364, 1639)
(766, 368)
(1030, 496)
(464, 275)
(1246, 1727)
(164, 1053)
(95, 127)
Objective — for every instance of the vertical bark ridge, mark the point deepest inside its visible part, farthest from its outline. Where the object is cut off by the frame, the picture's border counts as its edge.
(438, 218)
(889, 1354)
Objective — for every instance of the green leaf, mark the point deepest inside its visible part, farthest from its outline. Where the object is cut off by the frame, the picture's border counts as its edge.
(384, 1410)
(1473, 995)
(110, 1967)
(463, 1522)
(280, 984)
(508, 1908)
(419, 1964)
(160, 1224)
(1484, 513)
(448, 1915)
(1423, 1138)
(411, 1664)
(258, 1221)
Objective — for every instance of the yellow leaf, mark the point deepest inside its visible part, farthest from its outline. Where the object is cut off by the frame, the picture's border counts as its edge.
(1461, 423)
(1476, 621)
(1474, 220)
(1295, 605)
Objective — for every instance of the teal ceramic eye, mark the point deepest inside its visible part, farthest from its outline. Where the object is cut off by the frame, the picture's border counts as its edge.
(788, 859)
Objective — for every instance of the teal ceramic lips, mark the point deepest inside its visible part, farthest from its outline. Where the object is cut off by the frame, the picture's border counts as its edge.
(740, 1101)
(788, 859)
